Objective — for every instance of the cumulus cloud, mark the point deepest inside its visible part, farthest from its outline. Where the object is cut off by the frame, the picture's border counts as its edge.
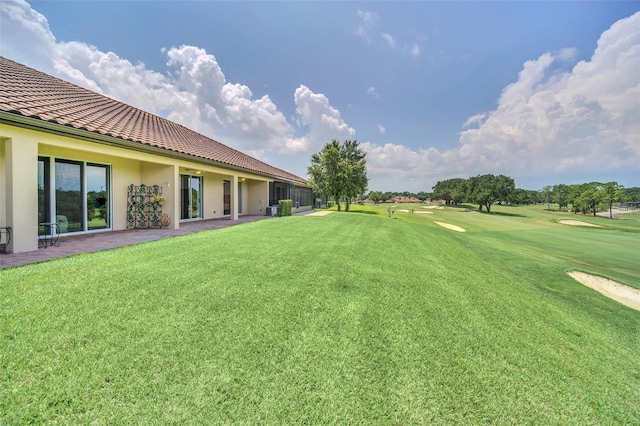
(193, 92)
(323, 121)
(381, 129)
(474, 119)
(23, 26)
(550, 121)
(556, 118)
(556, 122)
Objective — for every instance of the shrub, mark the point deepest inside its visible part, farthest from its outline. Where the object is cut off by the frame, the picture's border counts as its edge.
(284, 207)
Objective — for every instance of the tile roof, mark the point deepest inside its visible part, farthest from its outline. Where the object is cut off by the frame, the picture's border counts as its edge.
(31, 93)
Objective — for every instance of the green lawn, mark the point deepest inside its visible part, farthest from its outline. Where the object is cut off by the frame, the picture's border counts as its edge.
(346, 318)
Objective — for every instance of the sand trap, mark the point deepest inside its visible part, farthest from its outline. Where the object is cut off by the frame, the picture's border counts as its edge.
(449, 226)
(624, 294)
(422, 212)
(578, 223)
(320, 213)
(432, 207)
(403, 210)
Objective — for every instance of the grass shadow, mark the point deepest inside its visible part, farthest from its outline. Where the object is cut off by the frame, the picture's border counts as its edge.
(505, 214)
(363, 211)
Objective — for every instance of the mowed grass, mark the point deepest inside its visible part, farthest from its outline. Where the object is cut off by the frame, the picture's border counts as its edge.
(346, 318)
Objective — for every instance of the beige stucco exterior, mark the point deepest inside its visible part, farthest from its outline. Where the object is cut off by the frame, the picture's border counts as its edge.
(20, 148)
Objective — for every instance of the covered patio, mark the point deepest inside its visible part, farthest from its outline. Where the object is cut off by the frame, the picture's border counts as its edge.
(87, 243)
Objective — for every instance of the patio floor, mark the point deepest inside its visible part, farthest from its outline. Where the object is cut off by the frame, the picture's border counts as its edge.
(87, 243)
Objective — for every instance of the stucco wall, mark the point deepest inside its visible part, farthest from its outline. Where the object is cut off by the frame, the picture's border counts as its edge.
(19, 151)
(257, 194)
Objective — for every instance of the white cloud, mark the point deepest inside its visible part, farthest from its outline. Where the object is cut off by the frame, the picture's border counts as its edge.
(580, 121)
(563, 121)
(324, 121)
(371, 91)
(23, 26)
(381, 129)
(194, 92)
(415, 50)
(389, 39)
(368, 18)
(567, 54)
(552, 120)
(367, 21)
(474, 119)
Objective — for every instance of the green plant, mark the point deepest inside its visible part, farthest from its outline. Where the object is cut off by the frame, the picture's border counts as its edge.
(284, 207)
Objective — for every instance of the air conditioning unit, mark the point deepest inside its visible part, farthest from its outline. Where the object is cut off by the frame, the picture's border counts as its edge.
(272, 210)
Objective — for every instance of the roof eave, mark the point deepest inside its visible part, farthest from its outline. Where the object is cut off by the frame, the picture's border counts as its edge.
(34, 123)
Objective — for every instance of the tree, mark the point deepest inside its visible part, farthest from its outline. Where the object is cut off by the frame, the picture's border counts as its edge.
(356, 170)
(485, 190)
(561, 195)
(450, 190)
(612, 191)
(375, 196)
(339, 171)
(546, 195)
(591, 196)
(519, 196)
(422, 195)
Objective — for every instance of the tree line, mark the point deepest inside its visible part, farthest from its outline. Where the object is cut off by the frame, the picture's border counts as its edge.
(586, 198)
(339, 171)
(589, 197)
(483, 190)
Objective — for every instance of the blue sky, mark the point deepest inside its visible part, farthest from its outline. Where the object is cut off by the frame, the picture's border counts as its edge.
(545, 92)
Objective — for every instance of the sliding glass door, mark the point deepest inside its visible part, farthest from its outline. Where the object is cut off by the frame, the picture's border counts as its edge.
(75, 194)
(68, 196)
(98, 206)
(191, 198)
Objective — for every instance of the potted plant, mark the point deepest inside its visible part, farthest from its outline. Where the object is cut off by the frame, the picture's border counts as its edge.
(159, 200)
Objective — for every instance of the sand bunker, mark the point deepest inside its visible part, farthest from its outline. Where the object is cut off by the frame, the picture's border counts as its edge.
(320, 213)
(432, 207)
(422, 212)
(403, 210)
(624, 294)
(449, 226)
(578, 223)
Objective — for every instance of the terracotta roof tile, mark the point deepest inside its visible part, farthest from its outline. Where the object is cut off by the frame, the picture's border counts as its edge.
(32, 93)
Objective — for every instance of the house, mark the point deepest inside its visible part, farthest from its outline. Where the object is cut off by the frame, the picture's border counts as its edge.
(404, 199)
(75, 161)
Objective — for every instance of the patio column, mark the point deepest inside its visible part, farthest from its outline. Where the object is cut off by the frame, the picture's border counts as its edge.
(173, 196)
(234, 197)
(21, 162)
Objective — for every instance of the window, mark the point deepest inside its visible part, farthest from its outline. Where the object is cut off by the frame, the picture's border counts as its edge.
(75, 194)
(191, 199)
(98, 206)
(226, 197)
(68, 195)
(44, 190)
